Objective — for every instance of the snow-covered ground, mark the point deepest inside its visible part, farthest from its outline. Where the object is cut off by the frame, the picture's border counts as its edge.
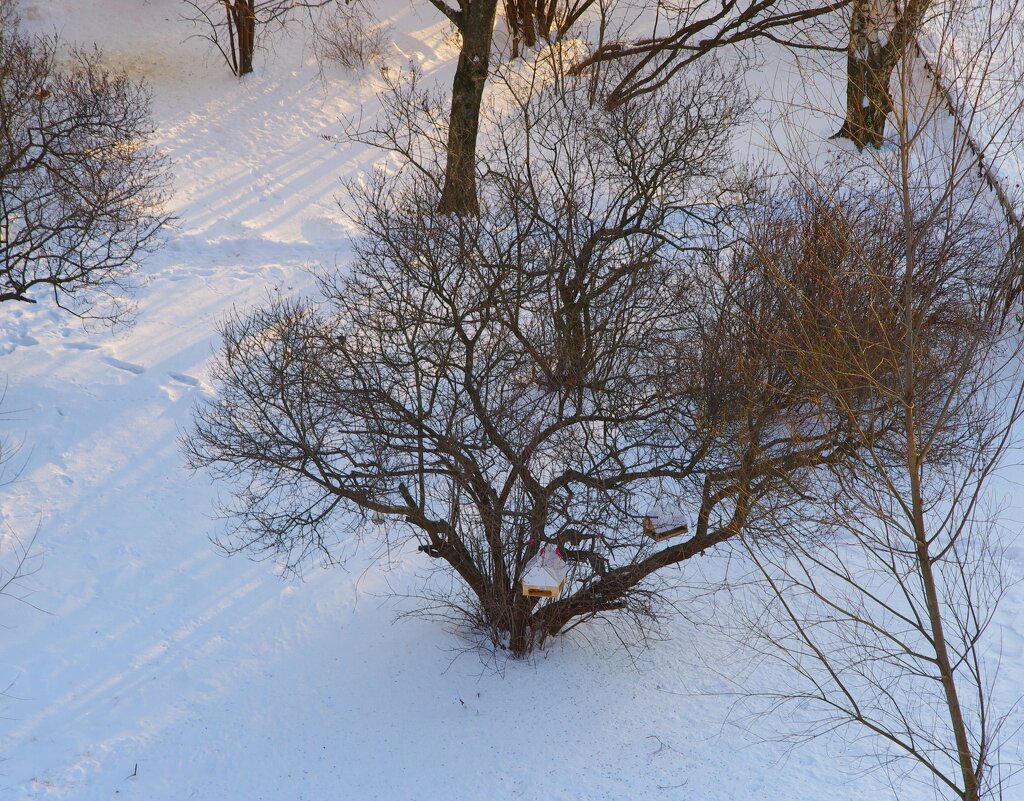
(151, 667)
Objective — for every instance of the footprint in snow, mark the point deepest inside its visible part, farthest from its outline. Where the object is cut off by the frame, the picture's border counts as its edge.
(126, 366)
(80, 346)
(179, 385)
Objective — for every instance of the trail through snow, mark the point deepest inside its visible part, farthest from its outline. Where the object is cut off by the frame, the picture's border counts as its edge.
(149, 666)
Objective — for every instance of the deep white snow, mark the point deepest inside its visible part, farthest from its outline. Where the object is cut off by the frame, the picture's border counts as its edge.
(149, 666)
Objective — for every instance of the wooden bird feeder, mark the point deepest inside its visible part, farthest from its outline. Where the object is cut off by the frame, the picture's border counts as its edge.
(544, 575)
(662, 527)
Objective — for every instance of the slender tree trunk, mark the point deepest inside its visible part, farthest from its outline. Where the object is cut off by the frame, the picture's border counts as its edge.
(942, 660)
(915, 460)
(477, 28)
(954, 709)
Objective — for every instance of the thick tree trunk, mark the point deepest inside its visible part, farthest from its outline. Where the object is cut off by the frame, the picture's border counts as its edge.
(245, 22)
(868, 101)
(477, 27)
(872, 55)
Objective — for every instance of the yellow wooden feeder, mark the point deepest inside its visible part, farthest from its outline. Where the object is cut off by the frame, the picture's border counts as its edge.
(544, 575)
(661, 526)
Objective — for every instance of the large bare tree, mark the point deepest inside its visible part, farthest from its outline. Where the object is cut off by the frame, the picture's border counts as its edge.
(528, 21)
(880, 36)
(474, 20)
(882, 615)
(580, 355)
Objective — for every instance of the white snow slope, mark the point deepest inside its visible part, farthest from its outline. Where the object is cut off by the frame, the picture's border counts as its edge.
(150, 667)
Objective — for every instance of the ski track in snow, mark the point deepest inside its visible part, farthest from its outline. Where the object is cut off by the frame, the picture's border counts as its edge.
(149, 666)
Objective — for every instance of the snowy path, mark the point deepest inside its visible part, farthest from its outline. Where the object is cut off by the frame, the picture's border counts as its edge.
(159, 670)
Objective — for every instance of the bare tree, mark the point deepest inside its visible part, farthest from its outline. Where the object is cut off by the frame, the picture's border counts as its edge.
(81, 191)
(546, 374)
(882, 615)
(881, 33)
(474, 20)
(235, 26)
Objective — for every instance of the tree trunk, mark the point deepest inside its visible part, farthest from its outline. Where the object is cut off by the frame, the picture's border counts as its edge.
(245, 24)
(915, 460)
(943, 658)
(943, 661)
(530, 20)
(520, 639)
(477, 27)
(871, 58)
(868, 101)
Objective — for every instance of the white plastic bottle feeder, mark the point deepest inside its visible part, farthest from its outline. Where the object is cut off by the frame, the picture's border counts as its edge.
(544, 575)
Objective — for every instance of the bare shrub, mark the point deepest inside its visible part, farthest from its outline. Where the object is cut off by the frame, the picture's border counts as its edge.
(81, 190)
(348, 36)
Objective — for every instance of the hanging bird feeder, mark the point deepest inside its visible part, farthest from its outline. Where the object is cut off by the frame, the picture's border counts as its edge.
(662, 526)
(544, 575)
